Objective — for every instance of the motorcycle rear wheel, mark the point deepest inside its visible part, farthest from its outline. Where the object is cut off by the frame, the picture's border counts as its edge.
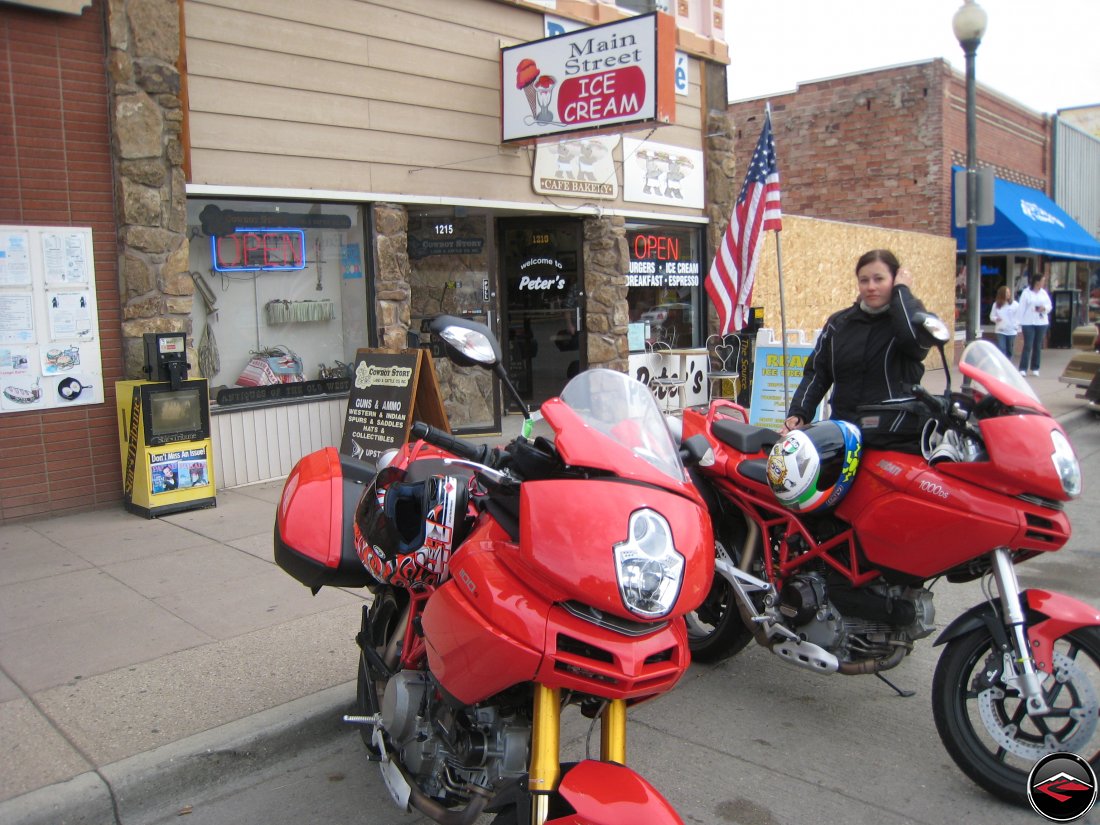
(715, 629)
(985, 727)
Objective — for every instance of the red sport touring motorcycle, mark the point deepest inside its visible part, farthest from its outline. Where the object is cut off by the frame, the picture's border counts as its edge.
(509, 584)
(830, 567)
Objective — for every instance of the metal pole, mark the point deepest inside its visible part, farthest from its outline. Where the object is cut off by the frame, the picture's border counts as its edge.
(973, 275)
(782, 325)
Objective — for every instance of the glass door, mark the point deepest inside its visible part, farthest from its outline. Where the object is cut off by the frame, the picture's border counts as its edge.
(449, 258)
(543, 308)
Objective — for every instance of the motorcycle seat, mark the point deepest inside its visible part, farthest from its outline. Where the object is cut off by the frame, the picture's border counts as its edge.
(754, 469)
(745, 438)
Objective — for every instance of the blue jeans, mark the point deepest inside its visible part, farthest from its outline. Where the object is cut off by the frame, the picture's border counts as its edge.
(1033, 345)
(1004, 344)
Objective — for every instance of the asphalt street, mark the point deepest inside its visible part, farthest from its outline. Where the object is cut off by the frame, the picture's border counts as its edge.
(751, 741)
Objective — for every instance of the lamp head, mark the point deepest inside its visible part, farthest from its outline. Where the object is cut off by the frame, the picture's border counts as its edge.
(969, 22)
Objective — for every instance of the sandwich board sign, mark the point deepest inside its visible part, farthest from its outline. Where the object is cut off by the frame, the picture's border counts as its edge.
(389, 390)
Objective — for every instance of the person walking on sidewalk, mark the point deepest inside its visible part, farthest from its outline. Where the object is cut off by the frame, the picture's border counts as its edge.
(1005, 317)
(1035, 306)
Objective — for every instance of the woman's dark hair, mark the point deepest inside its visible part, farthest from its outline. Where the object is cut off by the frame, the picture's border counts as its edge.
(1033, 281)
(884, 255)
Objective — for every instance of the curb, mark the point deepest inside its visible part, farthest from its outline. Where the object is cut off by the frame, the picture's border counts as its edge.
(159, 782)
(1076, 419)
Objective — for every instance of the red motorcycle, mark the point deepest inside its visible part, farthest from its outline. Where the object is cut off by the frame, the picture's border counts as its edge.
(509, 584)
(829, 567)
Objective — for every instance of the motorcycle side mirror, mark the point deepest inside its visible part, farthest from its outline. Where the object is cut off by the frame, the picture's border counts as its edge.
(471, 344)
(929, 326)
(467, 343)
(696, 450)
(931, 331)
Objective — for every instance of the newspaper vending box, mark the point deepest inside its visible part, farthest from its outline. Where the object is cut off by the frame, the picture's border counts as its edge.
(164, 433)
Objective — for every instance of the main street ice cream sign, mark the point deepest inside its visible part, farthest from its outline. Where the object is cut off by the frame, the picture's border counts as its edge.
(595, 79)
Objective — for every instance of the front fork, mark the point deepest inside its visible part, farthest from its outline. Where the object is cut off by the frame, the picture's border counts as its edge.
(545, 771)
(1027, 679)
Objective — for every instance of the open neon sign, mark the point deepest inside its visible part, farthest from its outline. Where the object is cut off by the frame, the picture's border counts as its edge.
(265, 249)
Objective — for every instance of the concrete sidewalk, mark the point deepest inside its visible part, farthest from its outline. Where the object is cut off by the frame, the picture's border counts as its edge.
(140, 658)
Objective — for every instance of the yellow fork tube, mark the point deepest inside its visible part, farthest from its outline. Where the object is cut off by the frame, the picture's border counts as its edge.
(613, 732)
(545, 751)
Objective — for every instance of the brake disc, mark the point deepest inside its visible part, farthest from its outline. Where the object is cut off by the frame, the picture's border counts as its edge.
(1083, 715)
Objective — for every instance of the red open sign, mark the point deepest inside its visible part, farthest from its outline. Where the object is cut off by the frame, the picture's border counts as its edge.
(250, 249)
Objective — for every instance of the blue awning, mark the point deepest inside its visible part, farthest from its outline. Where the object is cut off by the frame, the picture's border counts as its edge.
(1027, 222)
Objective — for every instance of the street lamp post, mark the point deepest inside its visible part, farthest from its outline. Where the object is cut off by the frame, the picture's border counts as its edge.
(969, 25)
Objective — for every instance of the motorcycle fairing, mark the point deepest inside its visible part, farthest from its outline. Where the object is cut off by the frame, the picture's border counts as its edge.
(487, 629)
(907, 516)
(1011, 441)
(561, 514)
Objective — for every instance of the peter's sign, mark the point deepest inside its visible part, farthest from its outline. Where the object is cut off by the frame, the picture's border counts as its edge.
(590, 80)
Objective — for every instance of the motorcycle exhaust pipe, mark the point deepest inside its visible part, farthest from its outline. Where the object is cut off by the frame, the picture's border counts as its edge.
(873, 665)
(435, 811)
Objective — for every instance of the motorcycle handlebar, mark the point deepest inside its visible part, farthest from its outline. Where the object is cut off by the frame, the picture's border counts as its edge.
(446, 441)
(934, 403)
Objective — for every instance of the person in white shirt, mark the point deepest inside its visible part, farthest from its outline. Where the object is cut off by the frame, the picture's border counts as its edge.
(1005, 317)
(1035, 307)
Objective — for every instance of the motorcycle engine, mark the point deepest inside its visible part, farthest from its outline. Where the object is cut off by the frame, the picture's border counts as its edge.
(856, 623)
(447, 748)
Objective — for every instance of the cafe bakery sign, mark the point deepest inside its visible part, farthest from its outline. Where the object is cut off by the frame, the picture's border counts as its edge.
(596, 79)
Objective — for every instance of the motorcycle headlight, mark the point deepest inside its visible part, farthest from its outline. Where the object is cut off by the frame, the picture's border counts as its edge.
(648, 568)
(1065, 463)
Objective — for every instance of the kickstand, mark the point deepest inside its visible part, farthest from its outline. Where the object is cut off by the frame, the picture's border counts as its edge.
(905, 694)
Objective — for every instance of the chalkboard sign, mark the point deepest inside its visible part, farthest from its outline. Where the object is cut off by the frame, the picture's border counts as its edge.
(389, 390)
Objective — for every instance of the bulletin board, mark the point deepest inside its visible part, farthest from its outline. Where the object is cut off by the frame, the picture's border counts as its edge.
(50, 350)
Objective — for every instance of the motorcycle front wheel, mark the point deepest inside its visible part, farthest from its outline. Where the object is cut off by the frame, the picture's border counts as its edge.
(984, 724)
(715, 629)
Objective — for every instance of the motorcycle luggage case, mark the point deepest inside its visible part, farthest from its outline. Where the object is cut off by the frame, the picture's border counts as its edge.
(314, 522)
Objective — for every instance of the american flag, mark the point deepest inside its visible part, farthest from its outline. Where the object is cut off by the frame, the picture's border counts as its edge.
(733, 271)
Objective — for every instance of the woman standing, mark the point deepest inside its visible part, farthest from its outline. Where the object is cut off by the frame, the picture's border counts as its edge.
(1035, 306)
(868, 352)
(1005, 316)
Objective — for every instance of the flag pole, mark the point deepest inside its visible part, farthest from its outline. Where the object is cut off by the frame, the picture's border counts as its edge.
(782, 324)
(782, 304)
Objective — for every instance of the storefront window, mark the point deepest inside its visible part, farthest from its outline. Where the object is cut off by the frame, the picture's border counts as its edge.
(280, 293)
(664, 284)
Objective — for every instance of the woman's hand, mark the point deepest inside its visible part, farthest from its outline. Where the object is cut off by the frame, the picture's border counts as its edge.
(904, 277)
(794, 422)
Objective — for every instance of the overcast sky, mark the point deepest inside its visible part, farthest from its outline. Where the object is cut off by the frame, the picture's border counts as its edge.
(1044, 54)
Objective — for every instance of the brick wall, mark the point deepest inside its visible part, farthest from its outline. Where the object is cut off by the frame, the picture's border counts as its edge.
(55, 139)
(877, 148)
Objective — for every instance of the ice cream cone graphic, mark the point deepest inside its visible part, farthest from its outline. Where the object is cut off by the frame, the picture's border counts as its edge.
(544, 92)
(526, 75)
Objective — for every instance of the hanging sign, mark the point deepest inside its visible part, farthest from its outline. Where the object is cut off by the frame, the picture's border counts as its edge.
(598, 78)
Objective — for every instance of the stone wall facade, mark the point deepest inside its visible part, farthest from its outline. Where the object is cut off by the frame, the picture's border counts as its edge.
(151, 198)
(606, 264)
